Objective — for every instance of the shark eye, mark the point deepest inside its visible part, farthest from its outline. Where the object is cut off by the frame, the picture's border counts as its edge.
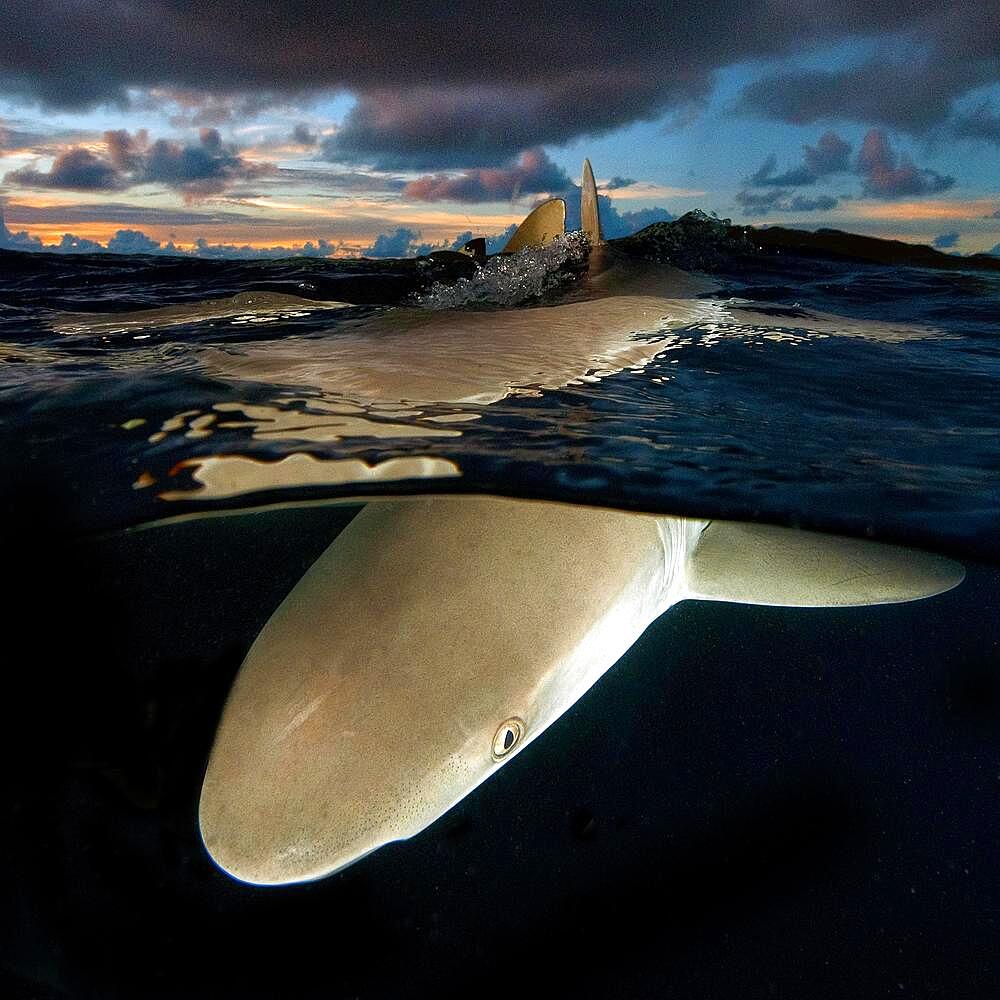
(507, 737)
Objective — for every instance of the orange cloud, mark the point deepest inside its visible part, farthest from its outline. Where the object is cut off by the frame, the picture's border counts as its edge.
(935, 208)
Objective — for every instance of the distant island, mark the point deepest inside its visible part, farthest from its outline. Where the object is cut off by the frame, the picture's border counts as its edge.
(700, 241)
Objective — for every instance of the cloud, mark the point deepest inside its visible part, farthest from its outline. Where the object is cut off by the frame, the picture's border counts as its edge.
(983, 124)
(419, 70)
(215, 47)
(302, 136)
(475, 126)
(830, 155)
(496, 243)
(946, 240)
(76, 169)
(614, 224)
(77, 244)
(128, 215)
(873, 93)
(755, 203)
(196, 170)
(15, 241)
(132, 241)
(884, 174)
(924, 58)
(532, 173)
(229, 251)
(760, 202)
(189, 108)
(618, 182)
(821, 203)
(395, 244)
(353, 181)
(887, 175)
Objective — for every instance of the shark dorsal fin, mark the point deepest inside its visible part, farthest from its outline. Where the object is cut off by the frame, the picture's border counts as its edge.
(476, 249)
(786, 567)
(590, 217)
(540, 227)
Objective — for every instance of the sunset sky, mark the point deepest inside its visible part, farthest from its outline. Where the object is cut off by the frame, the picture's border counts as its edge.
(394, 128)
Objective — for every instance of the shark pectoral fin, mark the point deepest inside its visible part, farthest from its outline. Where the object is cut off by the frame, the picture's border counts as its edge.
(540, 227)
(590, 217)
(763, 564)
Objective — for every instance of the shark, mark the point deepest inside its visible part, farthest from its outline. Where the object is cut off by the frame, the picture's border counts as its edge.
(438, 636)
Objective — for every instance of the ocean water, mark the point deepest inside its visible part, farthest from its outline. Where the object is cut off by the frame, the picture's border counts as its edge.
(774, 802)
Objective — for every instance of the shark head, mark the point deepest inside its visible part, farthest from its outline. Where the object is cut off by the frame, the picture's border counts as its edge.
(300, 786)
(415, 658)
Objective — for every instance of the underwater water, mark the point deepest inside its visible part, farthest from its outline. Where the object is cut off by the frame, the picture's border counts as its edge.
(759, 800)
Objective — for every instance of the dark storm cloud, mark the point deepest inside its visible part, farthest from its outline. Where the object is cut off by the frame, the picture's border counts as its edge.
(444, 85)
(940, 52)
(475, 126)
(76, 170)
(532, 173)
(196, 170)
(223, 46)
(440, 84)
(983, 123)
(885, 174)
(830, 155)
(873, 93)
(616, 183)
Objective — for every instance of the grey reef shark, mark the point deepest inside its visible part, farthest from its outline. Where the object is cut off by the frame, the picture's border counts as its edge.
(436, 637)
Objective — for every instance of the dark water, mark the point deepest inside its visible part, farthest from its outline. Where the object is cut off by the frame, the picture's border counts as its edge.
(753, 802)
(858, 398)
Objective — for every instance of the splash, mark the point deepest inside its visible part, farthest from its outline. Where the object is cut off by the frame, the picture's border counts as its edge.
(505, 281)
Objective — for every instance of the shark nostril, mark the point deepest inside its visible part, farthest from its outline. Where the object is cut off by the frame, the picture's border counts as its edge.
(507, 737)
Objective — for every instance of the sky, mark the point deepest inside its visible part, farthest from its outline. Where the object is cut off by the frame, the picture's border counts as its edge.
(323, 128)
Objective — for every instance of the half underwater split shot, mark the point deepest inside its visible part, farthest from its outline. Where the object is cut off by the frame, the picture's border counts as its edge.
(593, 617)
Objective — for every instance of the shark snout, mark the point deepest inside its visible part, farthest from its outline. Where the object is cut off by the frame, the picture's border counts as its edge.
(295, 791)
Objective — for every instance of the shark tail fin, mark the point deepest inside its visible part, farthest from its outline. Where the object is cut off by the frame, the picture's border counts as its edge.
(785, 567)
(590, 217)
(476, 249)
(540, 227)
